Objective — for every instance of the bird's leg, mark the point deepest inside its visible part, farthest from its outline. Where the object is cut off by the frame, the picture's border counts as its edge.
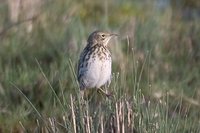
(99, 90)
(81, 94)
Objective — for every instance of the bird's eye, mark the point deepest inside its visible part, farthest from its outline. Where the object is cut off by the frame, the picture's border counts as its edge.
(103, 35)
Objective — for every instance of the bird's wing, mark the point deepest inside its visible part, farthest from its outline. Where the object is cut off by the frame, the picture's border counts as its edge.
(81, 70)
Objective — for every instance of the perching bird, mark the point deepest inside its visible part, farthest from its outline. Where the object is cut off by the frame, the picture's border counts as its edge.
(94, 67)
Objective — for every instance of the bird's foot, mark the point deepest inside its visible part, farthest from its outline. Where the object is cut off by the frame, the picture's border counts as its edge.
(108, 95)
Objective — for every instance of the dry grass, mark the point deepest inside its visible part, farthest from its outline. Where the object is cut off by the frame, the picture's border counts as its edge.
(155, 69)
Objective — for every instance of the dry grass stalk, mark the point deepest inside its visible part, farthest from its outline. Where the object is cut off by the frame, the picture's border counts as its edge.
(73, 115)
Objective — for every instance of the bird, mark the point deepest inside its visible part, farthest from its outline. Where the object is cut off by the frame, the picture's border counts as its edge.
(95, 63)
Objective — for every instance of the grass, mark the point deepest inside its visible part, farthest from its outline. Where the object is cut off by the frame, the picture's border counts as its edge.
(155, 70)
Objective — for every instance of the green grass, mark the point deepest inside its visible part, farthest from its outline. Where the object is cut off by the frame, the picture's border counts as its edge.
(155, 80)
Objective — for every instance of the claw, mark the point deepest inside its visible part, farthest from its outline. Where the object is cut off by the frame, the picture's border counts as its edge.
(108, 95)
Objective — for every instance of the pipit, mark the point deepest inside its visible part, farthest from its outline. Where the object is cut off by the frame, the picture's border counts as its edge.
(94, 67)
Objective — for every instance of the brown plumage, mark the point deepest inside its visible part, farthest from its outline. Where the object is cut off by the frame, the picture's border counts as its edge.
(94, 67)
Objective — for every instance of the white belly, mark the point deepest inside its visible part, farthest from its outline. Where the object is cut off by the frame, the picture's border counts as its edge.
(105, 73)
(97, 73)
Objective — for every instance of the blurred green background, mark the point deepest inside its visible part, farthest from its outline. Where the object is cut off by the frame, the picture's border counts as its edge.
(160, 39)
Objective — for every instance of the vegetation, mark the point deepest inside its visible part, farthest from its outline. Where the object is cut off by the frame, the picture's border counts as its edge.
(156, 68)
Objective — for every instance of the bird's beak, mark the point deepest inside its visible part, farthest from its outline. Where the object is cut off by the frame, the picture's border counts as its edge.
(114, 35)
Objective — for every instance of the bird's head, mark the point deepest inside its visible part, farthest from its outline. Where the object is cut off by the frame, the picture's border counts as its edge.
(99, 37)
